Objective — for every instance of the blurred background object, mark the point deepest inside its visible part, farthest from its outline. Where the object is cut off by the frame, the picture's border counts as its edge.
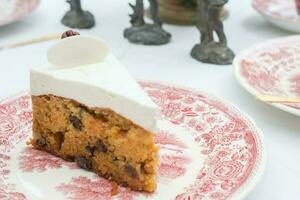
(181, 12)
(13, 10)
(31, 41)
(141, 32)
(281, 13)
(298, 6)
(210, 49)
(78, 18)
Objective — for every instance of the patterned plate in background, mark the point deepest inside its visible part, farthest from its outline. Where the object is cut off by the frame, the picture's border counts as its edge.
(13, 10)
(281, 13)
(272, 68)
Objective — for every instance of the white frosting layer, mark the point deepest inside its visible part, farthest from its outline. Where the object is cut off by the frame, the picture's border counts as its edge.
(99, 81)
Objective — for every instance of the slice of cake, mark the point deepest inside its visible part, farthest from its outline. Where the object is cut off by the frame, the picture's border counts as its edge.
(88, 109)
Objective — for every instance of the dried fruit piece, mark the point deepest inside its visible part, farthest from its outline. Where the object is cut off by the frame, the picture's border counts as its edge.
(41, 141)
(90, 149)
(83, 163)
(131, 171)
(101, 147)
(76, 122)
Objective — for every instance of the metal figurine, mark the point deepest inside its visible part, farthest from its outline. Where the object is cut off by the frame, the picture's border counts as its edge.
(78, 18)
(143, 33)
(180, 12)
(209, 50)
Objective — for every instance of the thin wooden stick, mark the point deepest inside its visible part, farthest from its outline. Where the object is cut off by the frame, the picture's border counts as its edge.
(276, 99)
(32, 41)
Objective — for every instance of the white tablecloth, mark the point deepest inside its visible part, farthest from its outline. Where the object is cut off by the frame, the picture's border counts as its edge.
(172, 63)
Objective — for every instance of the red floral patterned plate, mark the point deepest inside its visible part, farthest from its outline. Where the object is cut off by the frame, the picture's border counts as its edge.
(272, 68)
(208, 150)
(281, 13)
(13, 10)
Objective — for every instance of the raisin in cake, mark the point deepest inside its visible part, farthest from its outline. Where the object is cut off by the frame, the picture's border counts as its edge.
(88, 109)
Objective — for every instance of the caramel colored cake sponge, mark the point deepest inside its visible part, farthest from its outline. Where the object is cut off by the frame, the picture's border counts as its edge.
(97, 139)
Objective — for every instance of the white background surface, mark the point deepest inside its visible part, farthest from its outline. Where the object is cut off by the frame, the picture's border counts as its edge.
(172, 63)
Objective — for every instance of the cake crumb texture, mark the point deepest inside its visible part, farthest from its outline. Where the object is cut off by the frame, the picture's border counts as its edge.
(97, 139)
